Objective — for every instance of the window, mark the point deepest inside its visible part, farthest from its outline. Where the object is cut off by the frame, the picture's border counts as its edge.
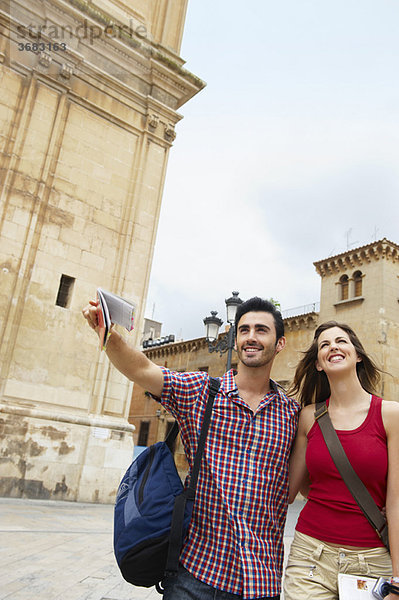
(357, 280)
(350, 289)
(143, 433)
(65, 289)
(344, 281)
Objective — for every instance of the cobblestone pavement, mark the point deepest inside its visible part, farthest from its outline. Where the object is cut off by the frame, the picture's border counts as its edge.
(51, 550)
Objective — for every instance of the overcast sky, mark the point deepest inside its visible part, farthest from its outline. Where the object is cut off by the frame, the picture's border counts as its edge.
(289, 155)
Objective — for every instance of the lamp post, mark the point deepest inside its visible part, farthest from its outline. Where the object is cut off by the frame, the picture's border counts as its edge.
(212, 324)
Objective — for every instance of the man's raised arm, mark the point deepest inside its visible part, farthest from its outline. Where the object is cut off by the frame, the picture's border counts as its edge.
(129, 361)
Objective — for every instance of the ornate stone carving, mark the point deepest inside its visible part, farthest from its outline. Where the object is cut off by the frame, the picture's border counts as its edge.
(152, 121)
(308, 321)
(66, 71)
(176, 348)
(45, 59)
(170, 133)
(383, 249)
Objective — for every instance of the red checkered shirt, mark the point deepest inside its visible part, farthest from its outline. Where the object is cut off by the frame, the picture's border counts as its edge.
(235, 540)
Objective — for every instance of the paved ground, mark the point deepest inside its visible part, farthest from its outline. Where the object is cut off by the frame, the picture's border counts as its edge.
(63, 551)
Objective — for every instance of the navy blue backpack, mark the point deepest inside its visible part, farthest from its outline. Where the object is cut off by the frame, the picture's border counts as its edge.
(153, 510)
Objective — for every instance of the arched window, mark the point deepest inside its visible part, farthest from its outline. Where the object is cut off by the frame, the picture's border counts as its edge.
(344, 281)
(357, 280)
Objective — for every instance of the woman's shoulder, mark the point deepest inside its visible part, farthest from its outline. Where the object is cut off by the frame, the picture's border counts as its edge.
(306, 418)
(390, 415)
(308, 410)
(390, 407)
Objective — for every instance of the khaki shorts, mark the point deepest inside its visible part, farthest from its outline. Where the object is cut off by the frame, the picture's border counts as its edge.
(313, 567)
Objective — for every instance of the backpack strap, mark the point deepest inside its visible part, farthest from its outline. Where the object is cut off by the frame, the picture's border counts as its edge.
(172, 435)
(353, 482)
(214, 385)
(176, 531)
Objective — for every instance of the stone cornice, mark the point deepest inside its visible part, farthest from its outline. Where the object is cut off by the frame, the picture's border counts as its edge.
(307, 321)
(383, 249)
(145, 46)
(125, 60)
(64, 417)
(176, 348)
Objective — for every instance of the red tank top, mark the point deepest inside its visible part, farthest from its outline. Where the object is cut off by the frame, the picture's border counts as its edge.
(331, 514)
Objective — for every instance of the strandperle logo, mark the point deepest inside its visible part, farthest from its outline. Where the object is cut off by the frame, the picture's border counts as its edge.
(84, 31)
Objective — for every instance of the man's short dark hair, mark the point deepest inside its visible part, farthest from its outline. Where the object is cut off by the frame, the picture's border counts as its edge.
(260, 305)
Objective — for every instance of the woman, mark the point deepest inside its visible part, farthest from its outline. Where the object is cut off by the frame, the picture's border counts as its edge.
(332, 534)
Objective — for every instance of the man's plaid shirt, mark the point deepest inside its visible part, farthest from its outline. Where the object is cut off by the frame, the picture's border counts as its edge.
(235, 540)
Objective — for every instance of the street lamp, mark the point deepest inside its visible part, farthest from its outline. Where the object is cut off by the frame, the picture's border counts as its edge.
(212, 324)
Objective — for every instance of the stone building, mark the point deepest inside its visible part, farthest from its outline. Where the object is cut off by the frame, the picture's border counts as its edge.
(152, 330)
(89, 94)
(359, 287)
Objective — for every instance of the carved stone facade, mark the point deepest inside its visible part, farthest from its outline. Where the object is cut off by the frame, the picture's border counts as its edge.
(368, 277)
(89, 93)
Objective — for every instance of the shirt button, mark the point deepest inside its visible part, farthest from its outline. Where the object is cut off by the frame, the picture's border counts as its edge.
(342, 555)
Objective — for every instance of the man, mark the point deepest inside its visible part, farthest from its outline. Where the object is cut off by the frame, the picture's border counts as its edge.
(234, 547)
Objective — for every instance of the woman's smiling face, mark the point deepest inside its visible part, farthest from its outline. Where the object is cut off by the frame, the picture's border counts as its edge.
(335, 351)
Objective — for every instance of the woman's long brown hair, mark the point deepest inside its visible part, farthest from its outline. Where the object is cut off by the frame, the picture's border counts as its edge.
(310, 385)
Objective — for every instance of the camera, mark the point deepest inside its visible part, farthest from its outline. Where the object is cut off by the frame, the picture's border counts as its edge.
(381, 589)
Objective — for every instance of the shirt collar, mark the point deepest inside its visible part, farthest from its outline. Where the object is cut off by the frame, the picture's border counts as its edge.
(229, 386)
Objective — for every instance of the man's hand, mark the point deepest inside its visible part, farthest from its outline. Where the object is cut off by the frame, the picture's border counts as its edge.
(129, 361)
(90, 313)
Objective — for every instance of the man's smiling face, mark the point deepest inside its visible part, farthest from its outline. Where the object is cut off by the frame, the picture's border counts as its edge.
(256, 339)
